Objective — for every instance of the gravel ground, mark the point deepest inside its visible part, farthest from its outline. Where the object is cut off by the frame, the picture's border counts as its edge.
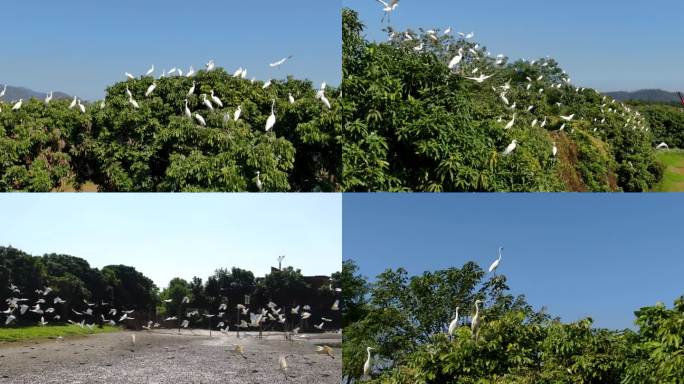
(163, 356)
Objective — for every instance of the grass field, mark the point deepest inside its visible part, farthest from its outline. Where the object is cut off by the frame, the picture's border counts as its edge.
(673, 179)
(49, 331)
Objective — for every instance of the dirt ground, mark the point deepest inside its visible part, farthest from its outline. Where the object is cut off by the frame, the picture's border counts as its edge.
(164, 356)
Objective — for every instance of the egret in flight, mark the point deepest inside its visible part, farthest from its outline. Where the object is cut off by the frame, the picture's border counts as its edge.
(388, 8)
(479, 79)
(663, 145)
(280, 62)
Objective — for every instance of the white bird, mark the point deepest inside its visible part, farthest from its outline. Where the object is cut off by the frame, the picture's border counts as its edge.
(150, 89)
(325, 101)
(4, 90)
(200, 120)
(150, 71)
(210, 65)
(267, 84)
(510, 123)
(133, 103)
(368, 364)
(192, 89)
(511, 147)
(216, 100)
(48, 98)
(18, 105)
(388, 8)
(129, 76)
(475, 324)
(128, 93)
(568, 118)
(319, 326)
(453, 324)
(456, 59)
(480, 79)
(335, 306)
(419, 47)
(237, 113)
(280, 62)
(283, 363)
(42, 321)
(10, 319)
(290, 98)
(207, 102)
(81, 106)
(238, 72)
(191, 72)
(188, 114)
(270, 122)
(496, 262)
(73, 103)
(554, 150)
(102, 104)
(663, 145)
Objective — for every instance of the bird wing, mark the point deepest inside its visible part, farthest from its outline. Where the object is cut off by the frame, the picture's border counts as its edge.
(383, 3)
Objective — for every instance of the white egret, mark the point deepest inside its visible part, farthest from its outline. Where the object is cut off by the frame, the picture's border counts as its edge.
(496, 262)
(510, 123)
(511, 147)
(150, 89)
(192, 89)
(368, 364)
(238, 72)
(191, 72)
(206, 101)
(280, 62)
(128, 93)
(456, 59)
(200, 120)
(554, 149)
(4, 90)
(267, 84)
(129, 76)
(216, 100)
(388, 8)
(81, 106)
(325, 101)
(73, 103)
(475, 324)
(48, 98)
(568, 118)
(210, 65)
(270, 122)
(335, 306)
(150, 71)
(188, 114)
(237, 113)
(290, 98)
(325, 350)
(453, 324)
(282, 361)
(663, 145)
(102, 104)
(18, 105)
(480, 79)
(133, 103)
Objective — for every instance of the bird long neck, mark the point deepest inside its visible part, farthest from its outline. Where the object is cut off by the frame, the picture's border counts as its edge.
(477, 308)
(369, 355)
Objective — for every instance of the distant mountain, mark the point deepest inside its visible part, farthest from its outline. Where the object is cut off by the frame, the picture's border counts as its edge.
(650, 95)
(16, 93)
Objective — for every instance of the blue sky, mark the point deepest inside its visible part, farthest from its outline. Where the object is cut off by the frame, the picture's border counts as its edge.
(80, 46)
(598, 255)
(608, 44)
(179, 235)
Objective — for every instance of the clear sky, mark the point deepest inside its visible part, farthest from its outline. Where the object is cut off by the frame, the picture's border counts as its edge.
(598, 255)
(80, 46)
(179, 235)
(607, 44)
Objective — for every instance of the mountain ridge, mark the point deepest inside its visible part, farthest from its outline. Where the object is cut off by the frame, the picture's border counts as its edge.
(15, 93)
(650, 95)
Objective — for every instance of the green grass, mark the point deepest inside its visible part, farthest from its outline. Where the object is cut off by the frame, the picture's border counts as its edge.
(673, 179)
(49, 331)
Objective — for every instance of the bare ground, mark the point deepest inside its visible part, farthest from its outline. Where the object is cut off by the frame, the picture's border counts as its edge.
(164, 356)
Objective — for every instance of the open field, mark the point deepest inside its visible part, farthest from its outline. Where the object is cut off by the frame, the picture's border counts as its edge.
(48, 332)
(164, 356)
(673, 179)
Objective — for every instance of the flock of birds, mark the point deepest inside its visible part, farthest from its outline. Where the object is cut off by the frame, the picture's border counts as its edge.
(475, 60)
(207, 100)
(475, 321)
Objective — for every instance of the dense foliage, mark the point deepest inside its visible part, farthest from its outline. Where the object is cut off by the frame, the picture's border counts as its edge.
(412, 123)
(405, 319)
(157, 148)
(666, 122)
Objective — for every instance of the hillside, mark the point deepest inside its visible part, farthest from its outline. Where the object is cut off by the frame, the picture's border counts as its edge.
(650, 95)
(16, 93)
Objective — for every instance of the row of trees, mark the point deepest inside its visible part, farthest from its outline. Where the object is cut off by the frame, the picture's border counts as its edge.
(156, 148)
(405, 319)
(122, 287)
(666, 121)
(412, 123)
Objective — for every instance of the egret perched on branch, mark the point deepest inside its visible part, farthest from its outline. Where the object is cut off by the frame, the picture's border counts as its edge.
(453, 324)
(496, 262)
(133, 102)
(200, 120)
(510, 123)
(216, 100)
(18, 105)
(554, 149)
(280, 62)
(192, 89)
(73, 103)
(210, 66)
(511, 147)
(290, 98)
(150, 71)
(237, 113)
(48, 98)
(188, 114)
(150, 89)
(270, 122)
(81, 106)
(456, 59)
(368, 364)
(191, 72)
(475, 325)
(129, 76)
(4, 90)
(206, 101)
